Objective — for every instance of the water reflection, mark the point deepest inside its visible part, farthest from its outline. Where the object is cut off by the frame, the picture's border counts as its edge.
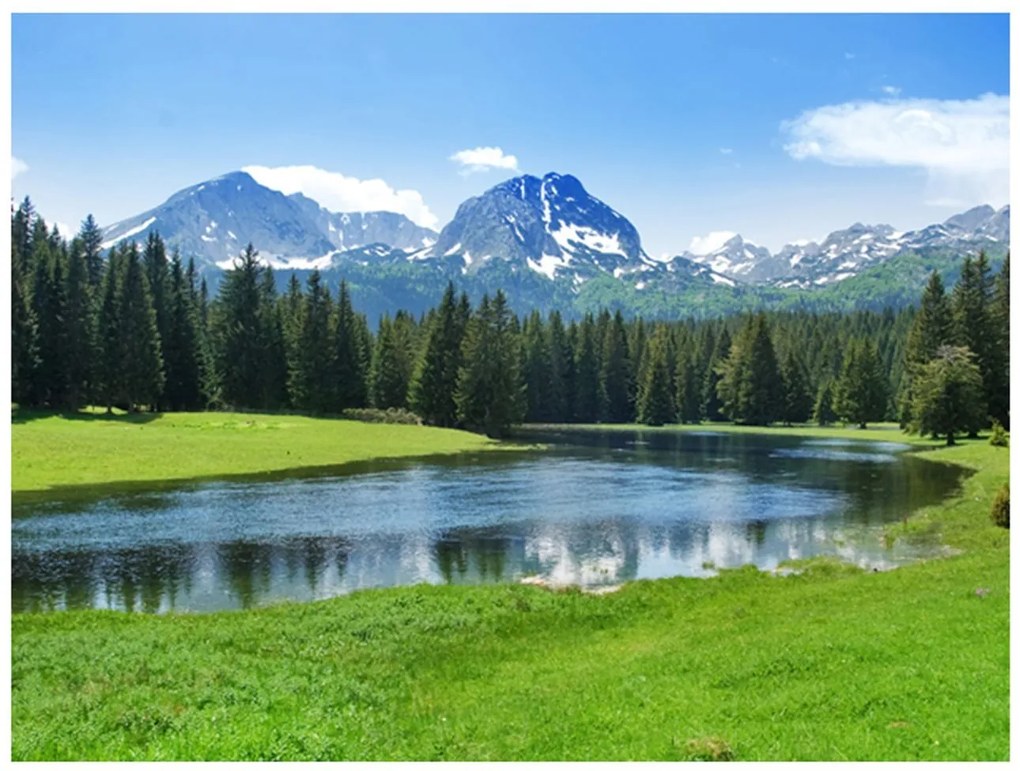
(598, 509)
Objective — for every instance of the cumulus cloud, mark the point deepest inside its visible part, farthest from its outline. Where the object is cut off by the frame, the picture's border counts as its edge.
(962, 145)
(18, 166)
(338, 192)
(483, 159)
(891, 90)
(707, 244)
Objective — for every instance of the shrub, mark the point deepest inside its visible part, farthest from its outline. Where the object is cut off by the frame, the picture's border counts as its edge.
(1000, 507)
(391, 415)
(999, 437)
(707, 748)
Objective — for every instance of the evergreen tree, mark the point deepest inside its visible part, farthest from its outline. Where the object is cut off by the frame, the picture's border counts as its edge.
(586, 373)
(22, 226)
(91, 237)
(142, 365)
(688, 385)
(655, 404)
(24, 343)
(536, 369)
(861, 392)
(974, 327)
(181, 349)
(825, 412)
(998, 393)
(107, 375)
(560, 385)
(750, 385)
(711, 402)
(312, 378)
(948, 396)
(49, 306)
(435, 379)
(78, 327)
(490, 393)
(797, 403)
(352, 355)
(614, 375)
(392, 362)
(274, 349)
(236, 327)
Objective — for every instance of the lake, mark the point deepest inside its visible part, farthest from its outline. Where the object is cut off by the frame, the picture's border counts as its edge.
(596, 509)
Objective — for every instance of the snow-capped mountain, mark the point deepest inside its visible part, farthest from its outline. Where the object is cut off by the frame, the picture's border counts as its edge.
(846, 253)
(552, 226)
(213, 221)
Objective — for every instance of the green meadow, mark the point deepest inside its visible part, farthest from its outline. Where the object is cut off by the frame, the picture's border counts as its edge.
(52, 451)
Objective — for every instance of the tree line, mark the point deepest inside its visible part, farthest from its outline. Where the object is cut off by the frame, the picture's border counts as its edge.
(135, 328)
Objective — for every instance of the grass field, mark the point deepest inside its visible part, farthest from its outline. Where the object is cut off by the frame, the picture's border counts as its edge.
(90, 448)
(829, 664)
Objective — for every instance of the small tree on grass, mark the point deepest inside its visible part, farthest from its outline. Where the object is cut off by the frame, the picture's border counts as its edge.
(1000, 507)
(824, 412)
(948, 395)
(998, 437)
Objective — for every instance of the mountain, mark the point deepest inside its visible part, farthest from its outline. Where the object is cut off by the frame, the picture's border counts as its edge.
(214, 220)
(548, 243)
(551, 226)
(850, 252)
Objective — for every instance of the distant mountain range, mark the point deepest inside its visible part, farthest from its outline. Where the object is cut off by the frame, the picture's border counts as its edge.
(550, 243)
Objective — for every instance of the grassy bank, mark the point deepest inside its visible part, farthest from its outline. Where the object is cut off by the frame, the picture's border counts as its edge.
(51, 451)
(830, 664)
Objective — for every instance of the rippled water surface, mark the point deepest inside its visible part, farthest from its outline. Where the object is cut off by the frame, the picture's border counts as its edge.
(596, 509)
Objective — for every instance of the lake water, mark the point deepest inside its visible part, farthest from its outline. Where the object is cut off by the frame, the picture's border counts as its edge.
(596, 509)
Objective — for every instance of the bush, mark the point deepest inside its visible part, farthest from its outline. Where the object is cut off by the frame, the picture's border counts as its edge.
(999, 437)
(1000, 507)
(710, 748)
(391, 415)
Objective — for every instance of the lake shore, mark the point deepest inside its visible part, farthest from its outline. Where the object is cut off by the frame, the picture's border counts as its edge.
(829, 663)
(61, 452)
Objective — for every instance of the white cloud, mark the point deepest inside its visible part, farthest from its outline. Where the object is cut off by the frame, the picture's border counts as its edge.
(962, 145)
(707, 244)
(18, 166)
(726, 150)
(483, 159)
(892, 90)
(345, 194)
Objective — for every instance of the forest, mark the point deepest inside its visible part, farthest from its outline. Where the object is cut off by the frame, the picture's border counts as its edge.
(136, 328)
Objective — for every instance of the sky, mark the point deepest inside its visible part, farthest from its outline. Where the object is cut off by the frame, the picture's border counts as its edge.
(778, 127)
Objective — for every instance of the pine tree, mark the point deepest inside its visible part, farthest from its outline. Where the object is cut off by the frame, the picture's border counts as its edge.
(108, 385)
(236, 328)
(435, 379)
(22, 226)
(688, 384)
(711, 402)
(49, 306)
(750, 385)
(824, 412)
(614, 374)
(490, 393)
(24, 344)
(861, 392)
(998, 393)
(274, 352)
(92, 244)
(973, 326)
(142, 364)
(392, 362)
(78, 327)
(586, 373)
(655, 404)
(312, 378)
(948, 396)
(536, 369)
(352, 355)
(797, 402)
(560, 385)
(181, 351)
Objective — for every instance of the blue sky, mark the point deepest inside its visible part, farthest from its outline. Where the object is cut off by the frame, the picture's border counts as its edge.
(779, 127)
